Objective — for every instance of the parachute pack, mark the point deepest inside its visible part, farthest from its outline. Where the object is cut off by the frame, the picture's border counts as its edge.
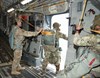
(11, 37)
(49, 39)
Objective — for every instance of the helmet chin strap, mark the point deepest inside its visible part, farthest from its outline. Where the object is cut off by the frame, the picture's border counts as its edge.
(96, 31)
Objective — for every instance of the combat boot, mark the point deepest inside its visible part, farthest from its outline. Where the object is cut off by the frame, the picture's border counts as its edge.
(15, 73)
(14, 70)
(19, 68)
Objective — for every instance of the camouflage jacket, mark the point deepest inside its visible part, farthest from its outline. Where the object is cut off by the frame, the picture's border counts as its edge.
(92, 41)
(20, 35)
(59, 35)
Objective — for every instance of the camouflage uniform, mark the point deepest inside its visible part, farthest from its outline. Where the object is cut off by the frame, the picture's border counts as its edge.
(19, 37)
(89, 57)
(91, 40)
(52, 52)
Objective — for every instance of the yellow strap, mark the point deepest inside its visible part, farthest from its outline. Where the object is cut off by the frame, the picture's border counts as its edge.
(46, 33)
(96, 31)
(83, 77)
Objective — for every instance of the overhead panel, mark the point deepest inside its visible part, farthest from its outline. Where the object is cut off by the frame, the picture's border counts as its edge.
(7, 4)
(46, 7)
(49, 7)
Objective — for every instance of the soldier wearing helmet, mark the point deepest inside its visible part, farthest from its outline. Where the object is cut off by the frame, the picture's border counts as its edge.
(52, 52)
(19, 36)
(89, 51)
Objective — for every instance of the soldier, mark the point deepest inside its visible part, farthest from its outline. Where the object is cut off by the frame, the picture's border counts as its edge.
(19, 37)
(52, 51)
(90, 56)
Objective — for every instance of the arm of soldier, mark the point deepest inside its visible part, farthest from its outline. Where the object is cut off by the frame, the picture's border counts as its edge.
(82, 41)
(61, 35)
(29, 33)
(98, 40)
(88, 40)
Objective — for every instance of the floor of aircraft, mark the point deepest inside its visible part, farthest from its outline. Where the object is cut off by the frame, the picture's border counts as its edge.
(29, 72)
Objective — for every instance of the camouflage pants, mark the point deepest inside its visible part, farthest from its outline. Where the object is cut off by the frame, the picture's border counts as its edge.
(16, 59)
(52, 55)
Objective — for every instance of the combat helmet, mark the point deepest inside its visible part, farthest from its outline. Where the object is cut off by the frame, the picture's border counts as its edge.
(56, 25)
(96, 22)
(17, 19)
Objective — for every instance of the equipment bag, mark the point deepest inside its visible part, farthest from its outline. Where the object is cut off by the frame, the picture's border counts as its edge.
(49, 39)
(11, 37)
(86, 61)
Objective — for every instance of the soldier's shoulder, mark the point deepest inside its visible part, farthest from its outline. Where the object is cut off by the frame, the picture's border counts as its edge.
(90, 35)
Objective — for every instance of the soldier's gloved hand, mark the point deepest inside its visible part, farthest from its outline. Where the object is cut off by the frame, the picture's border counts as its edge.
(78, 28)
(39, 32)
(60, 49)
